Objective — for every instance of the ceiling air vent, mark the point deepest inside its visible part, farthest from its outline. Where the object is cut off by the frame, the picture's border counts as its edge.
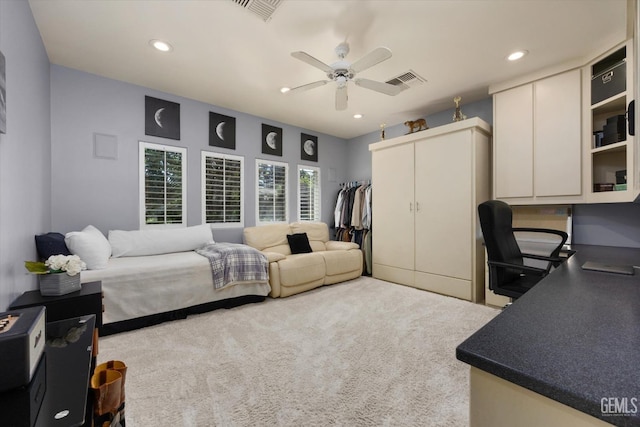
(407, 80)
(262, 8)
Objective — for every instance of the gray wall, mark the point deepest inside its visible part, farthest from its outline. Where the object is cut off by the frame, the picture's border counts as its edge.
(24, 150)
(104, 192)
(614, 224)
(358, 148)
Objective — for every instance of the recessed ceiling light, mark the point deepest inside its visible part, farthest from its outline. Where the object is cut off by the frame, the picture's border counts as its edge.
(357, 116)
(517, 55)
(285, 90)
(161, 46)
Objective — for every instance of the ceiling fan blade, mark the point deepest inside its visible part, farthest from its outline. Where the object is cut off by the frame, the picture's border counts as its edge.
(308, 86)
(374, 57)
(386, 88)
(305, 57)
(341, 98)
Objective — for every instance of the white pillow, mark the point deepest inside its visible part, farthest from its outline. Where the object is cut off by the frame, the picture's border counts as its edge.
(91, 246)
(155, 242)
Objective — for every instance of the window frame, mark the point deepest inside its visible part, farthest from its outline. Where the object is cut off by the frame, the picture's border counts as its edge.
(143, 146)
(260, 162)
(203, 162)
(318, 210)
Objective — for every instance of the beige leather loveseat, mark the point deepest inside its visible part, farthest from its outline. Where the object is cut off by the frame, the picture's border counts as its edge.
(329, 262)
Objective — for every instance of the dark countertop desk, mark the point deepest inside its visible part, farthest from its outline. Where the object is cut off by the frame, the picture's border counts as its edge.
(574, 337)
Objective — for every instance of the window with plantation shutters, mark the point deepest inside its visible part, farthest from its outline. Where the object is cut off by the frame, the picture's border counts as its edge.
(222, 190)
(308, 193)
(271, 192)
(163, 171)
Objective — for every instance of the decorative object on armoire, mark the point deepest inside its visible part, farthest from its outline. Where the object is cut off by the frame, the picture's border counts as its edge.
(58, 275)
(416, 125)
(271, 140)
(457, 115)
(382, 131)
(342, 72)
(222, 131)
(161, 118)
(3, 96)
(308, 147)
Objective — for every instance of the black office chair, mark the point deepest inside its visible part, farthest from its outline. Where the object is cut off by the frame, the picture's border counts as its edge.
(508, 275)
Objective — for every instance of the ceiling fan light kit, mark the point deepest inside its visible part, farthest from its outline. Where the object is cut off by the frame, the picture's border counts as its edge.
(342, 72)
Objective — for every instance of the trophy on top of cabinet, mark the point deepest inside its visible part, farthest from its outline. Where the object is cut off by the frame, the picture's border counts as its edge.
(457, 115)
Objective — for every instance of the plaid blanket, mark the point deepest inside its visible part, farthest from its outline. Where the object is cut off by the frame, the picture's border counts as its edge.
(234, 262)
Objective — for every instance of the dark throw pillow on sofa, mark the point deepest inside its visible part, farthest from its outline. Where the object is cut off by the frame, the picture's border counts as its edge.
(299, 243)
(51, 244)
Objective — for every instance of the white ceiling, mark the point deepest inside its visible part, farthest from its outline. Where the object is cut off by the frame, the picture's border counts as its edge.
(225, 55)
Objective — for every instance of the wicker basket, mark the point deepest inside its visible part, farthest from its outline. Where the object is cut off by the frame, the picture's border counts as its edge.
(55, 284)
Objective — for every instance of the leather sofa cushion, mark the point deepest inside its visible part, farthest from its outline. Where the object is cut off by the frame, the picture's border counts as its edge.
(315, 230)
(339, 262)
(301, 268)
(272, 238)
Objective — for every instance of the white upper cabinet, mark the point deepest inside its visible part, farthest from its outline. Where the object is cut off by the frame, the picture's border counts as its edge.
(557, 136)
(513, 142)
(537, 141)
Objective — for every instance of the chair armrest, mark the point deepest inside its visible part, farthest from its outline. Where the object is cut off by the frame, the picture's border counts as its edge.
(543, 230)
(519, 267)
(554, 254)
(274, 256)
(334, 245)
(544, 258)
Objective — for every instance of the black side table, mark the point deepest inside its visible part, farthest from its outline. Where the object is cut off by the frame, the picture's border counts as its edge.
(88, 300)
(58, 392)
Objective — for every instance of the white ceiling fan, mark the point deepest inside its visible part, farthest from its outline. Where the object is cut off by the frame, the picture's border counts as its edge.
(342, 72)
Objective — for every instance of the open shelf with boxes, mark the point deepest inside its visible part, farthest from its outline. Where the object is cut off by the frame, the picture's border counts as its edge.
(611, 149)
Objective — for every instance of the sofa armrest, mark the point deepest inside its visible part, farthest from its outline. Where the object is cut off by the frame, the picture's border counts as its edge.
(274, 256)
(333, 245)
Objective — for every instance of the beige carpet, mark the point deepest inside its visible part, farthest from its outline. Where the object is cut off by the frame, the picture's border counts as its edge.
(360, 353)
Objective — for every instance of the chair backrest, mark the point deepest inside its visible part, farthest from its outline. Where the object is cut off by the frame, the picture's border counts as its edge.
(496, 223)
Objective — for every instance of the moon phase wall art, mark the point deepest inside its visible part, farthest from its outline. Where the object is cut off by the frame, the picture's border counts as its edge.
(222, 131)
(271, 140)
(161, 118)
(308, 147)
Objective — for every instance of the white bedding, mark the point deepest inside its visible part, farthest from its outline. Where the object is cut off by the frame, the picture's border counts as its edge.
(145, 285)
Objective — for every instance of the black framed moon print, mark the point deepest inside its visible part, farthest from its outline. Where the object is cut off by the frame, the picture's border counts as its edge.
(308, 147)
(161, 118)
(222, 131)
(271, 140)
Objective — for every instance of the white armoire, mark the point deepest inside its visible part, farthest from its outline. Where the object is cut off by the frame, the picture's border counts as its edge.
(428, 186)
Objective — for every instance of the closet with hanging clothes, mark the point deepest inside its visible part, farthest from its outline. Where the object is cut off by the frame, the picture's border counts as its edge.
(352, 217)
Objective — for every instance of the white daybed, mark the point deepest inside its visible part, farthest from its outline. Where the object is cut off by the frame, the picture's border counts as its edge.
(142, 285)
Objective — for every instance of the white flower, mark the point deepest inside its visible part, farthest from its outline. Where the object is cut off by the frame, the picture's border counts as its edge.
(72, 264)
(56, 262)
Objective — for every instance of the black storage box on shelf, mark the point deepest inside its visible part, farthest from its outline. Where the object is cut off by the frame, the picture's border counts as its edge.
(609, 76)
(615, 130)
(621, 176)
(597, 188)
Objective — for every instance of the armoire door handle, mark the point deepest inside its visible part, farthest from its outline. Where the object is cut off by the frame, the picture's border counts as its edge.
(417, 206)
(410, 207)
